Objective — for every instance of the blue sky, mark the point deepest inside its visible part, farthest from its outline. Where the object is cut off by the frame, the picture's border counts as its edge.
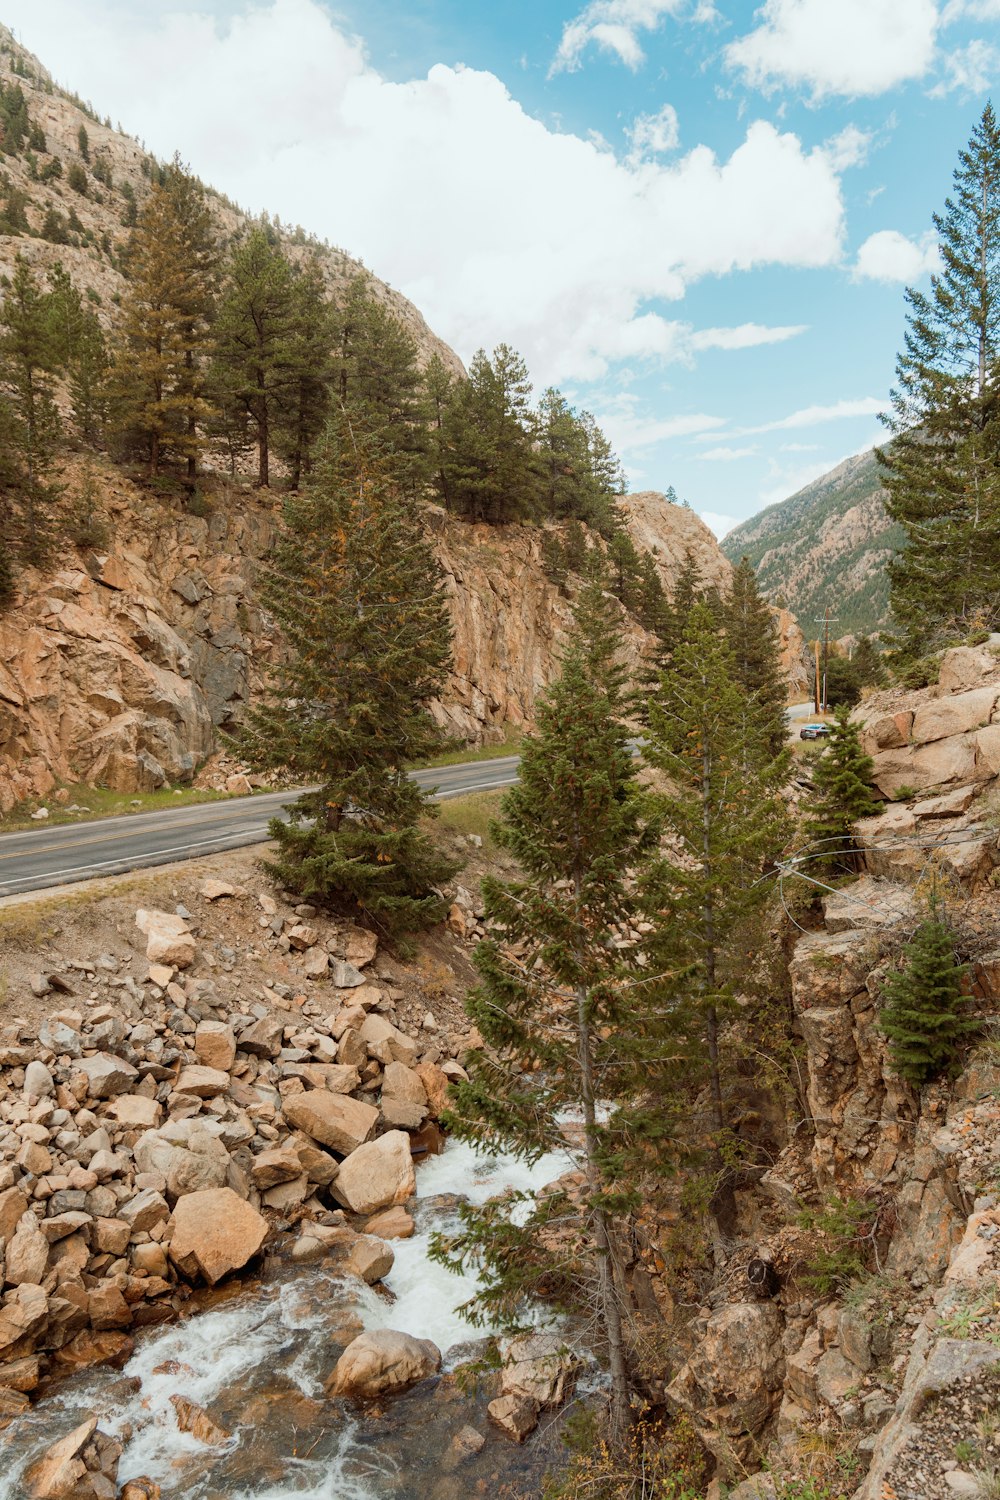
(697, 217)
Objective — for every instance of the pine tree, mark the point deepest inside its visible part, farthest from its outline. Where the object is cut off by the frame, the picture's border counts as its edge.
(922, 1004)
(356, 592)
(563, 1006)
(491, 472)
(752, 633)
(159, 368)
(725, 820)
(942, 467)
(310, 371)
(82, 353)
(254, 329)
(377, 379)
(841, 782)
(29, 360)
(867, 663)
(439, 384)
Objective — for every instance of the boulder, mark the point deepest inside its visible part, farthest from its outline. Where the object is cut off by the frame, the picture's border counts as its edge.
(38, 1080)
(335, 1120)
(188, 1153)
(143, 1212)
(358, 945)
(27, 1253)
(537, 1367)
(376, 1174)
(24, 1313)
(942, 718)
(386, 1043)
(13, 1204)
(515, 1416)
(391, 1224)
(264, 1037)
(60, 1472)
(964, 667)
(203, 1083)
(382, 1361)
(732, 1382)
(107, 1075)
(215, 1045)
(168, 940)
(370, 1258)
(214, 890)
(137, 1111)
(270, 1168)
(195, 1420)
(214, 1233)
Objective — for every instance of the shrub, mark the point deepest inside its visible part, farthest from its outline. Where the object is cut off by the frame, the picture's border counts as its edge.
(922, 1004)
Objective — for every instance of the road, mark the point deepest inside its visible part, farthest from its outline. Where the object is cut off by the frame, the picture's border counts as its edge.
(46, 857)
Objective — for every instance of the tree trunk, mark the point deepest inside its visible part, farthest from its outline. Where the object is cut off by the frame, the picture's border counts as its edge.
(610, 1309)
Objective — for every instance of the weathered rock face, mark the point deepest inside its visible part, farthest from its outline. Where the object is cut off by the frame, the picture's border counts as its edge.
(122, 666)
(731, 1385)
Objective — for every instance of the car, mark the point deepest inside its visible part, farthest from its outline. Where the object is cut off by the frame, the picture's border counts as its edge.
(814, 731)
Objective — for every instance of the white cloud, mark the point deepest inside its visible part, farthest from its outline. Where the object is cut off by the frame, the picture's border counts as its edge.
(853, 47)
(654, 135)
(973, 10)
(632, 429)
(497, 226)
(720, 524)
(813, 416)
(746, 336)
(890, 256)
(972, 69)
(613, 26)
(726, 455)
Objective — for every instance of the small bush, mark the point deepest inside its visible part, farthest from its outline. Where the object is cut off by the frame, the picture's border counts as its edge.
(845, 1231)
(76, 178)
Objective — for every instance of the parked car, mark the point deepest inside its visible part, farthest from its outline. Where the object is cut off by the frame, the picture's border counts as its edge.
(814, 731)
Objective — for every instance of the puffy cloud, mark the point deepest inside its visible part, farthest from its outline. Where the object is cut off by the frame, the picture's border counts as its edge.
(496, 225)
(613, 26)
(854, 47)
(633, 430)
(890, 256)
(654, 135)
(969, 70)
(973, 10)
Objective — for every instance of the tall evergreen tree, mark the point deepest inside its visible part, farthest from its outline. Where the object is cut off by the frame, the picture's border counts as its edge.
(310, 371)
(942, 467)
(29, 360)
(923, 1004)
(253, 374)
(725, 820)
(562, 1003)
(82, 353)
(356, 592)
(843, 794)
(491, 472)
(377, 379)
(867, 663)
(439, 386)
(752, 632)
(159, 365)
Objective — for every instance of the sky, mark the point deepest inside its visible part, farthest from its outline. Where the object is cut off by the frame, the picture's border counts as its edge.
(697, 218)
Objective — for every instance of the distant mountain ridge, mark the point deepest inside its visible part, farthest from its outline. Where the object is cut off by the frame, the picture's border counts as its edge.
(827, 545)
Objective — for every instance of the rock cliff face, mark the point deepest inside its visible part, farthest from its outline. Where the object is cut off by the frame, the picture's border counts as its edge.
(121, 667)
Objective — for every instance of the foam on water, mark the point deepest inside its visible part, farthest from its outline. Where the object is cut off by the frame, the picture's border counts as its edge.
(277, 1332)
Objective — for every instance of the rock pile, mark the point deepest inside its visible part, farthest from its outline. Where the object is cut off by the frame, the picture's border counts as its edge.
(155, 1135)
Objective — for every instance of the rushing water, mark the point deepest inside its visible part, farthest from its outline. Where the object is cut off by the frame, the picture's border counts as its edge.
(257, 1363)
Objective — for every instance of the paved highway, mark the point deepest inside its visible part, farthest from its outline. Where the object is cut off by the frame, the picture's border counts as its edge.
(46, 857)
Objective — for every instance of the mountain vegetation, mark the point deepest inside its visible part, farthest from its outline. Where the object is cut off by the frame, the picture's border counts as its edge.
(829, 544)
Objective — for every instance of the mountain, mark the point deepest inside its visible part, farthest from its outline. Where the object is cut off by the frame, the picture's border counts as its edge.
(48, 220)
(826, 545)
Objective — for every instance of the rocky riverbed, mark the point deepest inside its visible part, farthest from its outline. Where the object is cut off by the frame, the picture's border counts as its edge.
(219, 1172)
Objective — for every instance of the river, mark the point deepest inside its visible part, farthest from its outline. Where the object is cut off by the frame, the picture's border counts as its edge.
(256, 1360)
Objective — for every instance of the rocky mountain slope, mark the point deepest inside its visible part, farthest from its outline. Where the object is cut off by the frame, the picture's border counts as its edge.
(91, 223)
(826, 545)
(120, 667)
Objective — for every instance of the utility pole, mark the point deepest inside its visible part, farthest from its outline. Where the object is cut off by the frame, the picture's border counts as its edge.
(826, 622)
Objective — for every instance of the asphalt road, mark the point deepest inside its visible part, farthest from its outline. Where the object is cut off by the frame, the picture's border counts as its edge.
(46, 857)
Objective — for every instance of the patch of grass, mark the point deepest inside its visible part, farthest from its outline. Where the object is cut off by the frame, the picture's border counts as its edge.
(989, 1482)
(509, 745)
(100, 802)
(472, 814)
